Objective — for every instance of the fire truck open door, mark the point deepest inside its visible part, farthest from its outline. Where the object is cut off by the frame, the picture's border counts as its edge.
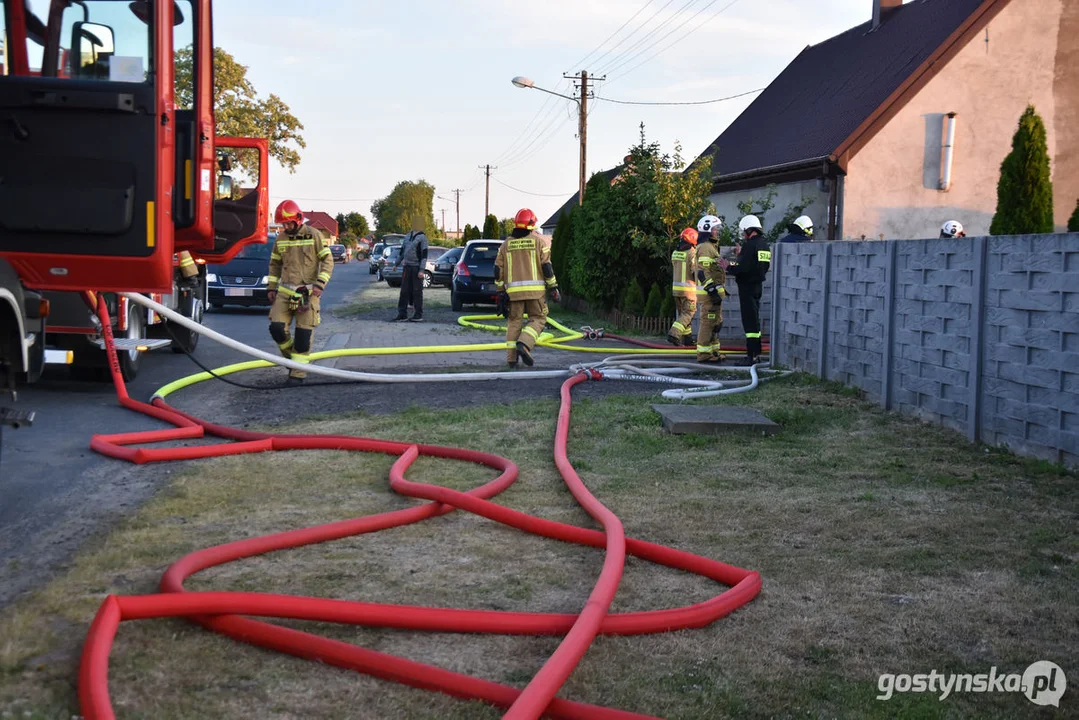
(241, 215)
(87, 144)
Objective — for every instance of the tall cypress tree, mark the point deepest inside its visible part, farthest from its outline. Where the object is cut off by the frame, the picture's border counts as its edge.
(1073, 223)
(1025, 191)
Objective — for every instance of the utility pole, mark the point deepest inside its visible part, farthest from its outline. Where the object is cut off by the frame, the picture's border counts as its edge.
(443, 221)
(582, 126)
(487, 199)
(457, 202)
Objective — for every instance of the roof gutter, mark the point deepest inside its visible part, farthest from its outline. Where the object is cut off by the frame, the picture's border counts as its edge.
(720, 182)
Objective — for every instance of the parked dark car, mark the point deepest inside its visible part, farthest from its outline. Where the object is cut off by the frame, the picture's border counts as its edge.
(340, 253)
(386, 265)
(442, 274)
(393, 275)
(242, 281)
(375, 258)
(474, 281)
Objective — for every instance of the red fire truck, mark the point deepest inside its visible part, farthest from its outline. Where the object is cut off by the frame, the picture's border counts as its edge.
(109, 167)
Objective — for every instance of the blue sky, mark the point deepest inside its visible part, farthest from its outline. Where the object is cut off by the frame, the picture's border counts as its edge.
(413, 89)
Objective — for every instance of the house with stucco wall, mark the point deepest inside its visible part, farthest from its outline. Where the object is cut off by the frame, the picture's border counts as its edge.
(859, 125)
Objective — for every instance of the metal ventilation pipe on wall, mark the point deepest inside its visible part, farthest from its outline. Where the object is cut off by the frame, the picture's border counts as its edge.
(949, 147)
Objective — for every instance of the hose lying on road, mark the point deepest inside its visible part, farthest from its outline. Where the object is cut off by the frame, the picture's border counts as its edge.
(220, 611)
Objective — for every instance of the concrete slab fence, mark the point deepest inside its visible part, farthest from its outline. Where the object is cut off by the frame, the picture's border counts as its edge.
(977, 334)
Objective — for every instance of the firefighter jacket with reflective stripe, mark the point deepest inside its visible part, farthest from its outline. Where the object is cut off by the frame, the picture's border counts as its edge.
(300, 259)
(709, 272)
(753, 261)
(684, 266)
(520, 267)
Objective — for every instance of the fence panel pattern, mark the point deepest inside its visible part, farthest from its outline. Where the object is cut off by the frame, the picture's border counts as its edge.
(976, 334)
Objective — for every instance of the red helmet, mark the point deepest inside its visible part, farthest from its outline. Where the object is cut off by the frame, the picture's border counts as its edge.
(525, 219)
(689, 235)
(288, 211)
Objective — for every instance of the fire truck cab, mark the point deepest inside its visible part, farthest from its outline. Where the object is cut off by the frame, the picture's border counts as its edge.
(109, 167)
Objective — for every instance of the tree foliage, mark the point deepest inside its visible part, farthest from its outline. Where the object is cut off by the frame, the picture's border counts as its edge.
(1025, 191)
(354, 223)
(654, 303)
(633, 300)
(492, 228)
(561, 246)
(240, 112)
(507, 226)
(395, 212)
(1073, 223)
(628, 227)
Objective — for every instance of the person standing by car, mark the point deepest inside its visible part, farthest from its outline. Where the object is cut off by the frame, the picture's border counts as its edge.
(749, 270)
(413, 259)
(300, 267)
(523, 276)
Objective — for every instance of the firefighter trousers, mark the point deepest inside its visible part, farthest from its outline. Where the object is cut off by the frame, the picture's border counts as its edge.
(708, 334)
(296, 348)
(685, 308)
(749, 299)
(517, 331)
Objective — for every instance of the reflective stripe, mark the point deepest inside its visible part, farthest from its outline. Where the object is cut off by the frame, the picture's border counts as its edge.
(272, 278)
(680, 327)
(525, 288)
(533, 333)
(704, 349)
(187, 262)
(288, 292)
(551, 282)
(301, 358)
(296, 243)
(322, 253)
(753, 336)
(764, 256)
(324, 276)
(499, 284)
(527, 283)
(285, 345)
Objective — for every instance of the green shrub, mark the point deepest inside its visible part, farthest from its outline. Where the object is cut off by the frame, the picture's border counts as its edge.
(1025, 191)
(654, 303)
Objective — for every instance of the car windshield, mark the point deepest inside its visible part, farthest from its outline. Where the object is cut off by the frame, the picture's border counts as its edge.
(485, 252)
(391, 252)
(258, 251)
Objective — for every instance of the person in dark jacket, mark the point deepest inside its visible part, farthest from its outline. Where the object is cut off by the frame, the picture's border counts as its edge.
(749, 270)
(801, 230)
(413, 259)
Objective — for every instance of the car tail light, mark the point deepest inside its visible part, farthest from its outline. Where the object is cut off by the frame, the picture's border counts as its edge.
(462, 269)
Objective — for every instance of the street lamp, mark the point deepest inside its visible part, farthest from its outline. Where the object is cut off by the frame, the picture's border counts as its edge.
(582, 118)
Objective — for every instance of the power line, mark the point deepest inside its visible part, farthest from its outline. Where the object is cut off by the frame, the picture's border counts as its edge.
(565, 195)
(695, 102)
(623, 25)
(677, 40)
(627, 37)
(341, 200)
(630, 51)
(670, 32)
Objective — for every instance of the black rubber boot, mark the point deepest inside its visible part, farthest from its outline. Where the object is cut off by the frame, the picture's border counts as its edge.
(524, 354)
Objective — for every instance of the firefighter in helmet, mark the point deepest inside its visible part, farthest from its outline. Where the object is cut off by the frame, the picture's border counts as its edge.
(300, 266)
(749, 271)
(684, 288)
(952, 229)
(524, 275)
(711, 277)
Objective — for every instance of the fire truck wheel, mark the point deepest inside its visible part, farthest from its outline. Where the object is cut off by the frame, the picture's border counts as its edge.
(130, 360)
(187, 340)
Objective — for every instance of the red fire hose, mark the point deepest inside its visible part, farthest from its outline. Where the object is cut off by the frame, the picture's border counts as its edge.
(220, 611)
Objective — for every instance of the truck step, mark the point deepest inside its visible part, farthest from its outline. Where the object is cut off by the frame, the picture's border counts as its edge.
(16, 418)
(126, 344)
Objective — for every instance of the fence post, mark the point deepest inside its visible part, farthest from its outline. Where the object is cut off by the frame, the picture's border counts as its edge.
(826, 291)
(889, 327)
(773, 331)
(977, 320)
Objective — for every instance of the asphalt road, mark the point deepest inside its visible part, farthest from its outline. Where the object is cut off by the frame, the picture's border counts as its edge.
(55, 493)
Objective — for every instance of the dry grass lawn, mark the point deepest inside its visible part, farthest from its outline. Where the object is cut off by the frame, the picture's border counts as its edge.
(886, 546)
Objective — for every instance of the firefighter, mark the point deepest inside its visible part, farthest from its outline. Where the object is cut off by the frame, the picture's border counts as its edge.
(684, 288)
(524, 275)
(711, 278)
(952, 229)
(749, 270)
(300, 267)
(189, 271)
(801, 230)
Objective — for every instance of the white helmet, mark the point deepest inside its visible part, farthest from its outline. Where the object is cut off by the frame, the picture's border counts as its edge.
(707, 223)
(952, 228)
(749, 222)
(806, 224)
